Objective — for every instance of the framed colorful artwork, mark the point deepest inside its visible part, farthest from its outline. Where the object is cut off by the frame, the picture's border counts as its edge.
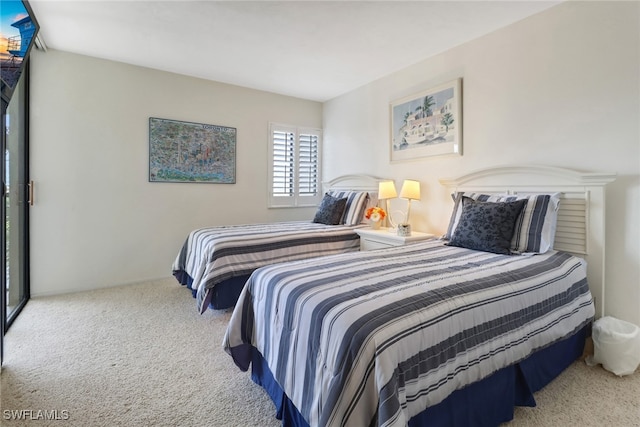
(191, 152)
(428, 123)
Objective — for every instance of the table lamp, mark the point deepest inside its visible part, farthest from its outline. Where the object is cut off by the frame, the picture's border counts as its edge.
(410, 191)
(386, 191)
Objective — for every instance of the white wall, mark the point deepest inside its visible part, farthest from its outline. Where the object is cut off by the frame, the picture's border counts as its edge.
(97, 221)
(561, 88)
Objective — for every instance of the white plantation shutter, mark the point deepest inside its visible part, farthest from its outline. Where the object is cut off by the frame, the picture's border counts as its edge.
(283, 181)
(294, 172)
(308, 164)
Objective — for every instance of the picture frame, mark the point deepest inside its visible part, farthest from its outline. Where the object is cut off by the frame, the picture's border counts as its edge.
(191, 152)
(428, 123)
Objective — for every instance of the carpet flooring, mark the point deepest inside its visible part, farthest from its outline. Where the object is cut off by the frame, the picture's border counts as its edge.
(141, 355)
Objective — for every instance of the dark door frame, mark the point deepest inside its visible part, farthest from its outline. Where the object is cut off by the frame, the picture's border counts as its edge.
(6, 321)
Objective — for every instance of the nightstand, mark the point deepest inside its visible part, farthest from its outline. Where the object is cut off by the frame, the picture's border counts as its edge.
(383, 238)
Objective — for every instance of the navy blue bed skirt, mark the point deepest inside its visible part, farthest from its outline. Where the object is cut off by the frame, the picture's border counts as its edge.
(486, 403)
(225, 294)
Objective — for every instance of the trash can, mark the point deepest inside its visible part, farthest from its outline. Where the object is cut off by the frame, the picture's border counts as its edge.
(616, 345)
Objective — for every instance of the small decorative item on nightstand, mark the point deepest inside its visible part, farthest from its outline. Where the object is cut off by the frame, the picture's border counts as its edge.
(375, 215)
(404, 230)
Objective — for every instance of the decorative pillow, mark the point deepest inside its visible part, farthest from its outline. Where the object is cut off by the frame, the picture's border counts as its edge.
(536, 226)
(457, 208)
(356, 205)
(486, 226)
(330, 210)
(535, 229)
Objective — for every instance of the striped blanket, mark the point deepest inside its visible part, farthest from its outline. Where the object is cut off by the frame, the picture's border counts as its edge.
(374, 338)
(212, 255)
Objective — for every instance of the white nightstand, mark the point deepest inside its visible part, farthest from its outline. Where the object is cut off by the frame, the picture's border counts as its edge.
(383, 238)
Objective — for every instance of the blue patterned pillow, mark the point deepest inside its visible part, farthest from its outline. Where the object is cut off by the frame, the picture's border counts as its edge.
(486, 226)
(457, 208)
(330, 210)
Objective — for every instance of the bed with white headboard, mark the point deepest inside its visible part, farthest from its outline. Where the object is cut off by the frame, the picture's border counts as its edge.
(429, 333)
(215, 262)
(581, 216)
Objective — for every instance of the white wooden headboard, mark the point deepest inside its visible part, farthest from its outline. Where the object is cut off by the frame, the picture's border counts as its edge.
(357, 182)
(581, 214)
(360, 182)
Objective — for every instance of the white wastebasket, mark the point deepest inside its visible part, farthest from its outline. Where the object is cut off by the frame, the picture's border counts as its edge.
(616, 345)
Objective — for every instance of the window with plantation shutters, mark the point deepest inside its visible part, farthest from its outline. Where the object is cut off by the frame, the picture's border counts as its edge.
(294, 172)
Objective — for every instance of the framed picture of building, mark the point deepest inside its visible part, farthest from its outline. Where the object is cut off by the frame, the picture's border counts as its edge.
(428, 123)
(191, 152)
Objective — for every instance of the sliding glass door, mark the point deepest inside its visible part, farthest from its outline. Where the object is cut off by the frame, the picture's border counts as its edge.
(14, 207)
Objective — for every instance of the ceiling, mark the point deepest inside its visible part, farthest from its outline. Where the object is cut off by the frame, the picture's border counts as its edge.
(314, 50)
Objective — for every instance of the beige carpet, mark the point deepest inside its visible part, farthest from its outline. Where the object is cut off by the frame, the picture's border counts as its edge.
(141, 355)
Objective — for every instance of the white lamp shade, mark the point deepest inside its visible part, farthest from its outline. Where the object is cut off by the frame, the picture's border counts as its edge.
(410, 190)
(387, 190)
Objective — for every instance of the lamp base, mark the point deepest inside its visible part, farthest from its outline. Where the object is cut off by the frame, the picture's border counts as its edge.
(404, 230)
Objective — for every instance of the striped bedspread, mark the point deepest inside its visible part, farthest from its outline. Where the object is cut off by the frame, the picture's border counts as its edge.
(374, 338)
(212, 255)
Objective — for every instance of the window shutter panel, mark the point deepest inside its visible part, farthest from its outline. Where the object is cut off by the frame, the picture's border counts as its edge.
(308, 165)
(294, 172)
(283, 164)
